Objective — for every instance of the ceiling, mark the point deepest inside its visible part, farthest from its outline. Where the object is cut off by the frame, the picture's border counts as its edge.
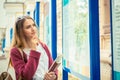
(3, 17)
(15, 0)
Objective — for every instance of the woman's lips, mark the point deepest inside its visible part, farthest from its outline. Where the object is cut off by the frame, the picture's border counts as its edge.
(33, 33)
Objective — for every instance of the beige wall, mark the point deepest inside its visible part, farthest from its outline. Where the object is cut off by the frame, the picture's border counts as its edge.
(104, 18)
(105, 43)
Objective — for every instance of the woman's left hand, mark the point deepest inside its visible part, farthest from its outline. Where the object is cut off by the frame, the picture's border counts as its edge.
(50, 76)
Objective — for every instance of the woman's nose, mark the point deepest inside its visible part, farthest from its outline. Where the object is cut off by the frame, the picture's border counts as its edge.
(33, 28)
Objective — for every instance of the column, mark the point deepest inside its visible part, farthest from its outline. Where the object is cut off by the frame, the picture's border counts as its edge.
(11, 11)
(29, 8)
(10, 24)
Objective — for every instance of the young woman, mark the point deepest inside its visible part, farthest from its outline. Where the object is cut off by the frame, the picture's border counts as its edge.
(30, 57)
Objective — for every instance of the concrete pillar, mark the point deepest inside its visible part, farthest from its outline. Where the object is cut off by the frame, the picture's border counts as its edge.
(10, 23)
(11, 11)
(30, 7)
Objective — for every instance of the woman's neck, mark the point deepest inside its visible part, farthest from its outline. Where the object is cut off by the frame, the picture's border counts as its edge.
(27, 44)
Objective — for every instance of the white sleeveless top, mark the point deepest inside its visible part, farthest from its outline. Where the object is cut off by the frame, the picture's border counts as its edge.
(43, 62)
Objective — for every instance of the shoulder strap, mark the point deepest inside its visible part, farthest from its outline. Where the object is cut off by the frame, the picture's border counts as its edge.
(8, 64)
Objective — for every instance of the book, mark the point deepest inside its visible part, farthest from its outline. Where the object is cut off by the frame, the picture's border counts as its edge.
(55, 64)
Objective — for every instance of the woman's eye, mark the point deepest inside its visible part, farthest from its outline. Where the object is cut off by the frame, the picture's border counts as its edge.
(34, 25)
(28, 27)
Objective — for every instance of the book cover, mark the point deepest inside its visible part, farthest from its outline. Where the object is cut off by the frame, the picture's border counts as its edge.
(55, 64)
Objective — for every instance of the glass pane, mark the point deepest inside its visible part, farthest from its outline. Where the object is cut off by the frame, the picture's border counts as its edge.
(116, 38)
(76, 36)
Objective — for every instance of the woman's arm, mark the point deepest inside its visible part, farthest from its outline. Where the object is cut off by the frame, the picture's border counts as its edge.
(26, 70)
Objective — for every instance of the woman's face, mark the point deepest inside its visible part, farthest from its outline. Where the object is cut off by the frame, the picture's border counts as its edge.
(29, 29)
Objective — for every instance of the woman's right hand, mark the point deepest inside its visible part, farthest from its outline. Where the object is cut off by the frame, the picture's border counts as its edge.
(34, 43)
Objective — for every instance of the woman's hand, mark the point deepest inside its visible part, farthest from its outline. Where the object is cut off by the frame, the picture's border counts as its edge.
(50, 76)
(34, 42)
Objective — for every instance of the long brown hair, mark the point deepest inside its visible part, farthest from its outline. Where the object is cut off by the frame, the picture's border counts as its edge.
(18, 35)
